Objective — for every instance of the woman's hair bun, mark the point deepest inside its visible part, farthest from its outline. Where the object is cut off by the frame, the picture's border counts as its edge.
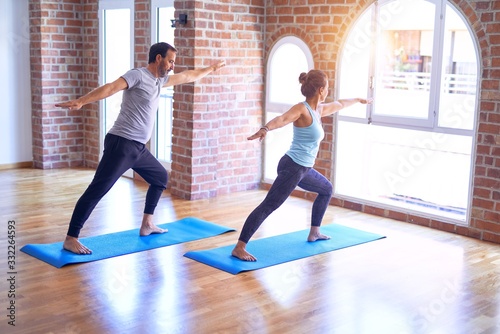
(302, 77)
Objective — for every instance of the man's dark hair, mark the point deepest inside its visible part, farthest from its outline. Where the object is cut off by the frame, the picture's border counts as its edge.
(159, 49)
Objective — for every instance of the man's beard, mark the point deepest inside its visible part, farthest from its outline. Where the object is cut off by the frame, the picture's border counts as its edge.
(162, 72)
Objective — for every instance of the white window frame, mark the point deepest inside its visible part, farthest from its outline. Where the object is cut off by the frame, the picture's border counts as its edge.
(276, 107)
(155, 5)
(431, 122)
(108, 5)
(430, 125)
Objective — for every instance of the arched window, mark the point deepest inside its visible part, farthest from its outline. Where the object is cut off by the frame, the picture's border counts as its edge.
(412, 148)
(289, 57)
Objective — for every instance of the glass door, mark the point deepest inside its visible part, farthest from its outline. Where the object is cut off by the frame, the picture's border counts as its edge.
(116, 46)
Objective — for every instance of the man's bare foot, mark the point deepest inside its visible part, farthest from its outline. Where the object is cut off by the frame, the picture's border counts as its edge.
(73, 245)
(151, 229)
(147, 226)
(315, 235)
(240, 252)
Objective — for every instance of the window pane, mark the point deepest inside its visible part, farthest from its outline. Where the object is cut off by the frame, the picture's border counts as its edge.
(165, 33)
(404, 56)
(459, 77)
(117, 58)
(286, 65)
(165, 30)
(355, 65)
(277, 143)
(417, 170)
(164, 125)
(424, 171)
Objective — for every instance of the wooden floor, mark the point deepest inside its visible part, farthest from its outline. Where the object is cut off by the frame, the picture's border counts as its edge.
(417, 280)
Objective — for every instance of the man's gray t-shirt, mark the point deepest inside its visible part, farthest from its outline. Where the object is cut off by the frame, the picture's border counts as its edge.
(139, 105)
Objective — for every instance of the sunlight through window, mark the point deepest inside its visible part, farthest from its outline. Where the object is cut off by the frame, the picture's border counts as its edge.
(412, 148)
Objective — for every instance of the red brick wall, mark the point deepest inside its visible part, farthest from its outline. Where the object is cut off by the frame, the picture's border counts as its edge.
(213, 117)
(56, 72)
(142, 32)
(323, 25)
(91, 120)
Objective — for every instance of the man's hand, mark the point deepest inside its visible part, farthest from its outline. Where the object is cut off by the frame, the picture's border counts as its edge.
(218, 65)
(71, 105)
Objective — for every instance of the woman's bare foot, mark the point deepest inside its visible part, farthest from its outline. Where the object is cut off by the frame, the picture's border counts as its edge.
(240, 252)
(315, 234)
(73, 245)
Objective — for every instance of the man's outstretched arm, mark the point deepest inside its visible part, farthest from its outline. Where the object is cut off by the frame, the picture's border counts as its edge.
(97, 94)
(193, 75)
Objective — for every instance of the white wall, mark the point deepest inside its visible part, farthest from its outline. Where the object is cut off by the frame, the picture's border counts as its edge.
(15, 91)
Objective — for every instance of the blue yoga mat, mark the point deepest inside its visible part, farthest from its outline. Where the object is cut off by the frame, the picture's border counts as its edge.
(120, 243)
(283, 248)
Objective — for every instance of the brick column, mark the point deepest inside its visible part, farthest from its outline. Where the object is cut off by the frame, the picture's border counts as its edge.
(142, 32)
(64, 65)
(92, 128)
(213, 116)
(56, 71)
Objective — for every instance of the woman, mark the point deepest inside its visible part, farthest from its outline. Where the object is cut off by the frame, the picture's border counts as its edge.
(295, 167)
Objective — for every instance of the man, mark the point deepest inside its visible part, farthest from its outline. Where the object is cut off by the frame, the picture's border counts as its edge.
(125, 143)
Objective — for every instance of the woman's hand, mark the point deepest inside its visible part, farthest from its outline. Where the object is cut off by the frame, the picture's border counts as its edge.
(261, 134)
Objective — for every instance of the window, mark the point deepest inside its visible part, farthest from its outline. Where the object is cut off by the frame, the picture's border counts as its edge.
(412, 148)
(162, 11)
(116, 42)
(116, 50)
(289, 57)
